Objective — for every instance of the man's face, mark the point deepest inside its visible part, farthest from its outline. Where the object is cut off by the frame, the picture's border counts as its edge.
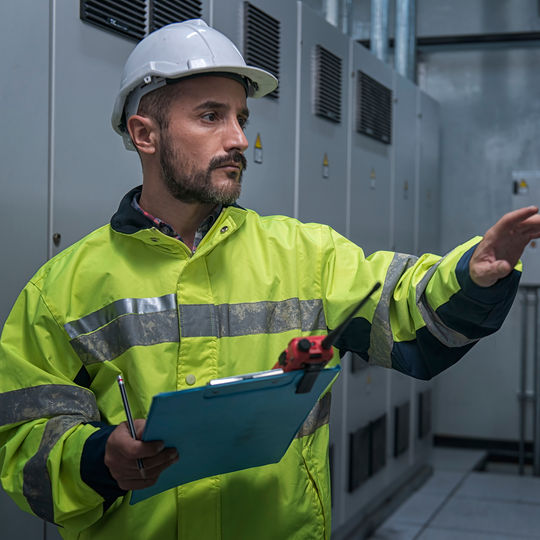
(201, 151)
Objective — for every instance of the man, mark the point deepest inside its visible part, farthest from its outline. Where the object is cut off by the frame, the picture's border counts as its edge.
(184, 286)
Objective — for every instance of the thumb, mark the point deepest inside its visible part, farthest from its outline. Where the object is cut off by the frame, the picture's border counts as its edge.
(503, 269)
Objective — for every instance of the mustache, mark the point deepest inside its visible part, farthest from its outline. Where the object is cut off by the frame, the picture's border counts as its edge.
(233, 155)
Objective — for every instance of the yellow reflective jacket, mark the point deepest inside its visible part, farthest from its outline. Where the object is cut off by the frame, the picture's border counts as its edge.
(129, 300)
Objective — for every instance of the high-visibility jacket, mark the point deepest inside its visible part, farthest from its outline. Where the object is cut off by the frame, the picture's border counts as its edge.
(129, 300)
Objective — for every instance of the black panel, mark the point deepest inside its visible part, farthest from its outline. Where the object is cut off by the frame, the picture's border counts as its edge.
(328, 82)
(125, 17)
(374, 105)
(359, 457)
(401, 428)
(424, 413)
(262, 41)
(378, 444)
(163, 12)
(357, 363)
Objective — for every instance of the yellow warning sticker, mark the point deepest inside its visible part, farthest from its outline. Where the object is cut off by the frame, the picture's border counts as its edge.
(523, 188)
(258, 150)
(325, 167)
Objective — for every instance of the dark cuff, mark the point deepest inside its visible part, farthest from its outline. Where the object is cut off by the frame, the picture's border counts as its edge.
(486, 295)
(94, 472)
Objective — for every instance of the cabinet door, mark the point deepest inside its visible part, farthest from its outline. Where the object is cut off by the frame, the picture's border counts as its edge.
(265, 31)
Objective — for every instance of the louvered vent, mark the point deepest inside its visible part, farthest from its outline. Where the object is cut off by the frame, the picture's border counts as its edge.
(374, 109)
(126, 17)
(327, 84)
(262, 41)
(163, 12)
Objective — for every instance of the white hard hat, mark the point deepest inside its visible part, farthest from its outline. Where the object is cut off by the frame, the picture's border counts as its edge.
(175, 51)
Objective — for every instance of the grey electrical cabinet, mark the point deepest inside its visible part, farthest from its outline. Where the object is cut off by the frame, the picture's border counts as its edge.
(371, 150)
(405, 161)
(265, 32)
(91, 169)
(322, 109)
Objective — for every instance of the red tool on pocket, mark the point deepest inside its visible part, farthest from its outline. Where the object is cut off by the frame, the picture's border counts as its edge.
(312, 353)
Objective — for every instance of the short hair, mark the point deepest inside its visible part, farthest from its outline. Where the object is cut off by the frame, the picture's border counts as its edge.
(157, 104)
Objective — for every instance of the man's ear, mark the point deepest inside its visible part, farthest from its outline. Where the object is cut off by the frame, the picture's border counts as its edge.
(144, 133)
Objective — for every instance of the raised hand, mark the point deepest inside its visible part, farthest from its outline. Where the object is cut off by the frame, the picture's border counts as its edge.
(503, 245)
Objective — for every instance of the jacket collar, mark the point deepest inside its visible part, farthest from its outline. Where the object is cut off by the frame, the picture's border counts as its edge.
(127, 220)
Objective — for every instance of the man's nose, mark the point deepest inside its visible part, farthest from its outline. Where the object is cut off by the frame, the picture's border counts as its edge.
(235, 137)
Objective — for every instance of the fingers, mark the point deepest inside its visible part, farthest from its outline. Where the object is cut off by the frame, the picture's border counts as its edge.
(156, 461)
(139, 427)
(513, 219)
(132, 481)
(131, 448)
(122, 453)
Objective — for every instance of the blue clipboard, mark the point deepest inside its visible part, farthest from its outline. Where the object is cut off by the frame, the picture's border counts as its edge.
(229, 425)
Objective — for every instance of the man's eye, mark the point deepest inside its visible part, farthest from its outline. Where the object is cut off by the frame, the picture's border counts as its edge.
(243, 122)
(211, 117)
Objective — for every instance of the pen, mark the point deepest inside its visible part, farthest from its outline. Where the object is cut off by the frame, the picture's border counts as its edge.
(129, 418)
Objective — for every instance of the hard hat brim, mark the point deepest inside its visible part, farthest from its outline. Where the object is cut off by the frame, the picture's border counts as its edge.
(263, 83)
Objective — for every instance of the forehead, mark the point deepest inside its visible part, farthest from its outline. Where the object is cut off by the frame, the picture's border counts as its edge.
(210, 88)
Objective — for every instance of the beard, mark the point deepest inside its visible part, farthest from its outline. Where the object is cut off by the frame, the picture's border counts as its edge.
(190, 184)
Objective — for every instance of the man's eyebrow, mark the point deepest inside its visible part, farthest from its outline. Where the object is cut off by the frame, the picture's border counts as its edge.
(218, 105)
(212, 105)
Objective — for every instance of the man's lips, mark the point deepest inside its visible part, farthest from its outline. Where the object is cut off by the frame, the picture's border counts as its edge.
(230, 166)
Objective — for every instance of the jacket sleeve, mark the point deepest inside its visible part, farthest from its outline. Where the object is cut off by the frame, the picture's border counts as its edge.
(427, 314)
(45, 418)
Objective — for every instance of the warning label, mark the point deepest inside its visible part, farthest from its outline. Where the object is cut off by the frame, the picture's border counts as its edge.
(523, 187)
(325, 167)
(258, 157)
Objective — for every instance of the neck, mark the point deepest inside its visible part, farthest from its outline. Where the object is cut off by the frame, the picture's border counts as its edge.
(184, 218)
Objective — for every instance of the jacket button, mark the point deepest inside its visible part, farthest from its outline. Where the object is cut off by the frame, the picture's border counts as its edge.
(190, 379)
(224, 229)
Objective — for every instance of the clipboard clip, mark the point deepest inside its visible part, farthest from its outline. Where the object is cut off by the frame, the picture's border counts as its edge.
(312, 353)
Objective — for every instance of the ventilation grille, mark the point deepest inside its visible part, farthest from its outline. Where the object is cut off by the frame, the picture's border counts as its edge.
(125, 17)
(374, 109)
(327, 84)
(262, 41)
(378, 444)
(163, 12)
(367, 452)
(359, 454)
(401, 429)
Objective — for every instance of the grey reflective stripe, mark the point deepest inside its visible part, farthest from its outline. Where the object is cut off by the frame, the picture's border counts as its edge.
(196, 320)
(318, 417)
(434, 324)
(37, 487)
(125, 332)
(381, 337)
(68, 406)
(45, 401)
(232, 320)
(126, 306)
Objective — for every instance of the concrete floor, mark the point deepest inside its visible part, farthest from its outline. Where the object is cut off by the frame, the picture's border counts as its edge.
(458, 503)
